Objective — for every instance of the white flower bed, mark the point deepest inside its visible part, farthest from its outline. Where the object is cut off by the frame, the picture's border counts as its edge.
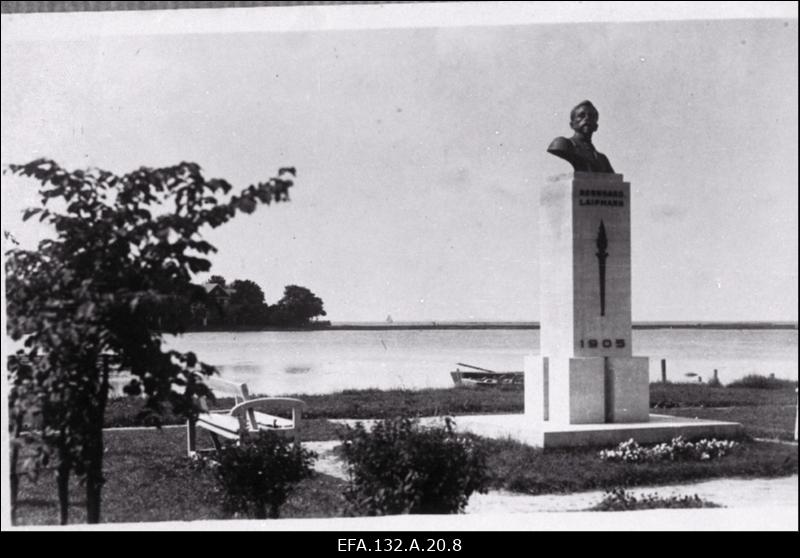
(676, 449)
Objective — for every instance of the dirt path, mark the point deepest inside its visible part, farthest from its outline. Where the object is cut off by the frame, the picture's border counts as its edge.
(730, 493)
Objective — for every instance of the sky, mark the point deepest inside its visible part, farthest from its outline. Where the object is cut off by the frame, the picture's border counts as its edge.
(420, 150)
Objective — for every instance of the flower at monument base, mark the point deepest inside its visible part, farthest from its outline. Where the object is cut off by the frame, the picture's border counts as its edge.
(676, 449)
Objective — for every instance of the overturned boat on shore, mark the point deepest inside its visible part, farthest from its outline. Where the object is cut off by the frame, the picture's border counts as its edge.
(478, 377)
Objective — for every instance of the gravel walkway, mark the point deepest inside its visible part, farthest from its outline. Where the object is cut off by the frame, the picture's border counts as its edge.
(730, 493)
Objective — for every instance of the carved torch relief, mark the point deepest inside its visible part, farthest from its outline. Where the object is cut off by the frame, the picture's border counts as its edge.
(602, 245)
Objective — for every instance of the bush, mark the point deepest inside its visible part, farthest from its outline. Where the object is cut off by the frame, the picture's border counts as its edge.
(401, 468)
(757, 381)
(618, 499)
(257, 476)
(714, 382)
(676, 449)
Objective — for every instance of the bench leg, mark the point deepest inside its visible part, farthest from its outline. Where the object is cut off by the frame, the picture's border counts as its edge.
(217, 443)
(191, 441)
(191, 438)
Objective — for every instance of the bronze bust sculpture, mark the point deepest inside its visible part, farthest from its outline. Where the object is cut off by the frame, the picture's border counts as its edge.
(578, 150)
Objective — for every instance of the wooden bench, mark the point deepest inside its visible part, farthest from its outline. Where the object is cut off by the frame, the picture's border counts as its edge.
(244, 418)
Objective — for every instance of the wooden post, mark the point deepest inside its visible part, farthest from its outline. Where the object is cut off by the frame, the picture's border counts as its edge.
(191, 438)
(663, 371)
(716, 376)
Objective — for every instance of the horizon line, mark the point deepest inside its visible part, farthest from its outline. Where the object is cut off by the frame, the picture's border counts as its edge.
(644, 324)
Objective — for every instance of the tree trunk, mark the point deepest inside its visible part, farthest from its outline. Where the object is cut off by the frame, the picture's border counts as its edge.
(94, 472)
(274, 511)
(62, 479)
(94, 486)
(260, 510)
(14, 481)
(94, 449)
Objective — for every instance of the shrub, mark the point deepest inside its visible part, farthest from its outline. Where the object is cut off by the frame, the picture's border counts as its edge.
(757, 381)
(257, 476)
(618, 499)
(676, 449)
(402, 468)
(714, 382)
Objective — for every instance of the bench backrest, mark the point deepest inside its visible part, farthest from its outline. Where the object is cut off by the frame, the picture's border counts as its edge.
(246, 411)
(226, 388)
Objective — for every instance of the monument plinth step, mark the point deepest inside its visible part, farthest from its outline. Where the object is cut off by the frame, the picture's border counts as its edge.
(518, 427)
(660, 428)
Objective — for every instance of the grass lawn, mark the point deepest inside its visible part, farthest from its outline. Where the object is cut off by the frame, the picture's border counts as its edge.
(521, 468)
(150, 479)
(670, 396)
(765, 421)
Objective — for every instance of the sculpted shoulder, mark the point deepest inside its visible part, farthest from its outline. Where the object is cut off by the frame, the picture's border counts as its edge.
(603, 164)
(560, 145)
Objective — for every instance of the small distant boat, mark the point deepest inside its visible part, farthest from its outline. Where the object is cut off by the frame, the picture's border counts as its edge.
(484, 378)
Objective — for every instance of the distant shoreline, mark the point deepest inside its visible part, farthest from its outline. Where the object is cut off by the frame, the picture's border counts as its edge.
(536, 325)
(381, 326)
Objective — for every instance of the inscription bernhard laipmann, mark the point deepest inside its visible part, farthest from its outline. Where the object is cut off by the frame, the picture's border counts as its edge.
(602, 245)
(612, 198)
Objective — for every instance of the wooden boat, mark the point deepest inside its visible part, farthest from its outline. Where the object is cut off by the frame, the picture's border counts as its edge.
(485, 378)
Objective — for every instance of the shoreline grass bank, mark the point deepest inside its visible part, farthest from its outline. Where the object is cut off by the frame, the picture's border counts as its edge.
(767, 413)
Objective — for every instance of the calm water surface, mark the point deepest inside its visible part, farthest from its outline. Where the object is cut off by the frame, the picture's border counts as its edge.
(279, 363)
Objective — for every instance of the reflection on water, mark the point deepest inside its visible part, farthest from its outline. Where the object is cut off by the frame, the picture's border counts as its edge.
(240, 369)
(282, 363)
(297, 369)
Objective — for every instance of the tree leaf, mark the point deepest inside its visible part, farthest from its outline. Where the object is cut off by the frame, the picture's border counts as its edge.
(30, 212)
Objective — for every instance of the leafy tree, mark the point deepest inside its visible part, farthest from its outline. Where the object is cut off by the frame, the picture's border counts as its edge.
(247, 306)
(218, 279)
(297, 307)
(83, 301)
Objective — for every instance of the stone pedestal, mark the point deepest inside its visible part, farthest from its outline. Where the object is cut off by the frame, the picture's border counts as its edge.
(586, 373)
(627, 389)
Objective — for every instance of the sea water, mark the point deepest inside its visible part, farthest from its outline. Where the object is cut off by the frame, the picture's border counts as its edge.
(282, 363)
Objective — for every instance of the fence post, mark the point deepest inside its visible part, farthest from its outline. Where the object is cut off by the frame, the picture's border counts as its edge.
(663, 371)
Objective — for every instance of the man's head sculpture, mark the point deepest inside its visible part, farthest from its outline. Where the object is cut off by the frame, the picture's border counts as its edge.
(578, 150)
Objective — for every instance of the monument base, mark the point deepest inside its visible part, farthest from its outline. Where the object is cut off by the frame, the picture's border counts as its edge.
(587, 390)
(518, 427)
(658, 428)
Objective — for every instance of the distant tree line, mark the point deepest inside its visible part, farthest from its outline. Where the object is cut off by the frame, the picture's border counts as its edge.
(237, 305)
